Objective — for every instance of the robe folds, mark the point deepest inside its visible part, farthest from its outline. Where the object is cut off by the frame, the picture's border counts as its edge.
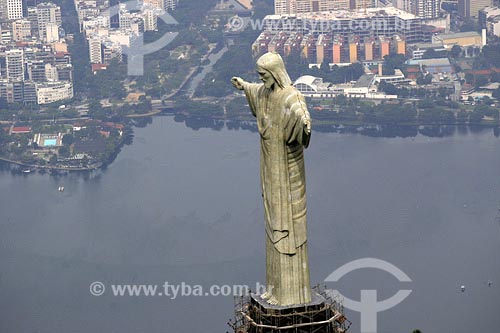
(281, 115)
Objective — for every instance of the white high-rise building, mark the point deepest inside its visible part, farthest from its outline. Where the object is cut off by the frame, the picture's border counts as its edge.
(150, 20)
(95, 51)
(12, 9)
(15, 64)
(427, 8)
(170, 4)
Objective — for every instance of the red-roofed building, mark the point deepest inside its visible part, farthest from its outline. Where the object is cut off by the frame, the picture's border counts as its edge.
(98, 67)
(21, 130)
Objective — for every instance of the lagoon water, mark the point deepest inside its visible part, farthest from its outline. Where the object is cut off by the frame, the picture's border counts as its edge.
(181, 205)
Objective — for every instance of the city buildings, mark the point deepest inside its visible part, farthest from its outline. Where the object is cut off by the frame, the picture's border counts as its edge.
(108, 34)
(35, 65)
(374, 22)
(332, 49)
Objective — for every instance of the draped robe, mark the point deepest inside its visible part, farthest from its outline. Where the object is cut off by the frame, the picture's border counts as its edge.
(280, 114)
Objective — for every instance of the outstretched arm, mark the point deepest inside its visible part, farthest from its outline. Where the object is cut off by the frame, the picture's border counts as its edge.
(251, 92)
(238, 83)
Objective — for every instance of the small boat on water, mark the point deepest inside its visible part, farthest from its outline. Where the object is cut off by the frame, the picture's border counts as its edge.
(26, 170)
(61, 189)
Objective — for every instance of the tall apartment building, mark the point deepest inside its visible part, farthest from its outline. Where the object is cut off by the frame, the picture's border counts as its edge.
(420, 8)
(21, 30)
(14, 60)
(281, 7)
(11, 9)
(160, 4)
(170, 4)
(427, 8)
(47, 12)
(403, 5)
(329, 5)
(471, 8)
(95, 51)
(150, 20)
(125, 19)
(361, 4)
(287, 7)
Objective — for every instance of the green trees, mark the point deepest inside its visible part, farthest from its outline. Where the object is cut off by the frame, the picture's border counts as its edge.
(455, 52)
(108, 83)
(388, 88)
(68, 139)
(393, 62)
(422, 80)
(64, 152)
(53, 160)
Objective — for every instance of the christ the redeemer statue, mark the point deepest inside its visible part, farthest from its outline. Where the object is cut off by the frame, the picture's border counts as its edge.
(285, 129)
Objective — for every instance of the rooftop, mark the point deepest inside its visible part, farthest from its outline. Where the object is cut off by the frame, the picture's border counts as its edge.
(460, 35)
(349, 15)
(364, 81)
(430, 62)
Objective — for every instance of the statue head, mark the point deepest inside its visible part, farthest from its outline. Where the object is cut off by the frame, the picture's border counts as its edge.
(271, 69)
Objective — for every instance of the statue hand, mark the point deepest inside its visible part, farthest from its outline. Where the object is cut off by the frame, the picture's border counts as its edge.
(307, 124)
(237, 82)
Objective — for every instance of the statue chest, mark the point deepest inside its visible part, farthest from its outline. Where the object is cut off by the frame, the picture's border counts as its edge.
(271, 118)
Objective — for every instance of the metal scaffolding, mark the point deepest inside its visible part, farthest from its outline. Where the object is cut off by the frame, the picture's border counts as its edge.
(326, 316)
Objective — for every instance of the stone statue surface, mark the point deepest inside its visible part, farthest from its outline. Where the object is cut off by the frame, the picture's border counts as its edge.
(285, 129)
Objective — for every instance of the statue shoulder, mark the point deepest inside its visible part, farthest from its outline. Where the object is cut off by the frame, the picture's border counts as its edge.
(293, 94)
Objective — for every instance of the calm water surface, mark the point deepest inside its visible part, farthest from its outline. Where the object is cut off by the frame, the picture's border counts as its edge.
(184, 206)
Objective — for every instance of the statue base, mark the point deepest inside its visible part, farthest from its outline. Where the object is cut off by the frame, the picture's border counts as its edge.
(321, 315)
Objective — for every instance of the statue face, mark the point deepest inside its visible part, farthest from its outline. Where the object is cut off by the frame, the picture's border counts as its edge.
(266, 77)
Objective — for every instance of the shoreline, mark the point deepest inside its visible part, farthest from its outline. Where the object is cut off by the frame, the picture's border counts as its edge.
(47, 167)
(320, 123)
